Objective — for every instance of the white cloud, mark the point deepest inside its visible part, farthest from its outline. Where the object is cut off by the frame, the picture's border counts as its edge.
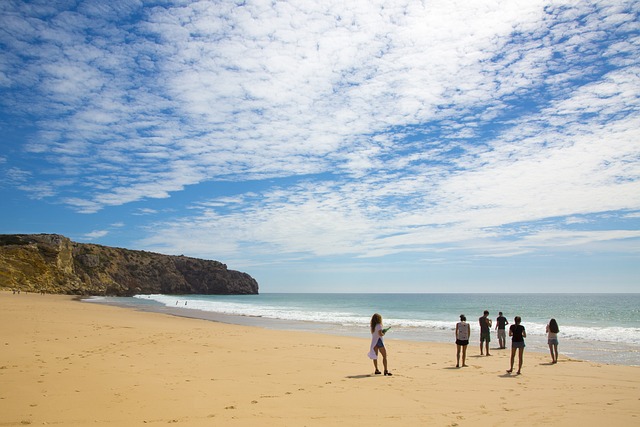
(17, 175)
(278, 90)
(431, 124)
(145, 211)
(96, 234)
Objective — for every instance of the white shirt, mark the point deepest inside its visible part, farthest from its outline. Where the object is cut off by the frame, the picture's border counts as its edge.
(463, 331)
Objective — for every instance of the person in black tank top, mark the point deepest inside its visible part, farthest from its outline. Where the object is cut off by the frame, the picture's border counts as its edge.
(517, 334)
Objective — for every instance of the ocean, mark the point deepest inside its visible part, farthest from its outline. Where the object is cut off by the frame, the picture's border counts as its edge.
(602, 328)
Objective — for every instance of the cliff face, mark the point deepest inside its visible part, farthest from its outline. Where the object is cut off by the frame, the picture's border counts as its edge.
(55, 264)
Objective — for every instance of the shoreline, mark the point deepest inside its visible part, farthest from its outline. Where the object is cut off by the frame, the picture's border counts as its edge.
(623, 354)
(80, 364)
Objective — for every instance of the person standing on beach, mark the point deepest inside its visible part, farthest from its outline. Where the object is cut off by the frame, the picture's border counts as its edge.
(485, 331)
(377, 344)
(518, 335)
(552, 339)
(463, 332)
(501, 322)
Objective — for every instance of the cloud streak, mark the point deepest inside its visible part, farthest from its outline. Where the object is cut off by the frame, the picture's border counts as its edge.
(386, 127)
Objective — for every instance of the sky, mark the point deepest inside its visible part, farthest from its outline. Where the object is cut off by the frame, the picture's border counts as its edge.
(333, 146)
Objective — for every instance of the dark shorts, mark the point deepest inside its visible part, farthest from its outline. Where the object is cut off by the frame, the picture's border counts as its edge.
(485, 336)
(517, 344)
(380, 343)
(462, 342)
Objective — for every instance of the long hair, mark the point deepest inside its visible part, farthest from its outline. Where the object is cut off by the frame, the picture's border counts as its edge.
(375, 320)
(553, 326)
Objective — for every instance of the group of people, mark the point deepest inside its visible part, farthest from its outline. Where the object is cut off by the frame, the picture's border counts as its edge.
(517, 333)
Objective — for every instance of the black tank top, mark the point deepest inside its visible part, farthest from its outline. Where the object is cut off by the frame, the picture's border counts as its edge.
(516, 333)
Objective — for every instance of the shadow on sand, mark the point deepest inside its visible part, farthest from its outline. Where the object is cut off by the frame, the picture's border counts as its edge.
(359, 377)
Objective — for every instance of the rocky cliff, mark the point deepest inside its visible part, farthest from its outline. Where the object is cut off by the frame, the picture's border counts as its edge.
(54, 264)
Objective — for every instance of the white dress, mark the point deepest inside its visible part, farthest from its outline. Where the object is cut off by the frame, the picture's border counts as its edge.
(375, 336)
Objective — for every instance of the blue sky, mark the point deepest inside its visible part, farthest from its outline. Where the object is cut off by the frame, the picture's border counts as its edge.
(360, 146)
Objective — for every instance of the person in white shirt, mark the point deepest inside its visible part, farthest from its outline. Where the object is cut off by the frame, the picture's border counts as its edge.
(463, 332)
(552, 339)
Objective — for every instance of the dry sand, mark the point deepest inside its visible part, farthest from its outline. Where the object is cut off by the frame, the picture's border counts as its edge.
(69, 363)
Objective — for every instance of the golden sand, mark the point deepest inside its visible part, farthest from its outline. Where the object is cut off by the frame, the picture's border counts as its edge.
(69, 363)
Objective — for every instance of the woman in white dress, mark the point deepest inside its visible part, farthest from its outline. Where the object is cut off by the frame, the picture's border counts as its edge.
(377, 344)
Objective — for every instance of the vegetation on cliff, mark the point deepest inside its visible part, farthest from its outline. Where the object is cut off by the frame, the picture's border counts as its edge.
(53, 263)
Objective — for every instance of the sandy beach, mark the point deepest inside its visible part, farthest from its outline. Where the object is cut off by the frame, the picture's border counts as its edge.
(64, 362)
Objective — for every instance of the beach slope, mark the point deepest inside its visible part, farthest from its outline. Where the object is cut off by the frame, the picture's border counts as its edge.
(64, 362)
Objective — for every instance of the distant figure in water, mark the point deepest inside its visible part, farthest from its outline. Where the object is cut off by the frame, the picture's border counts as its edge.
(552, 339)
(517, 334)
(463, 332)
(377, 344)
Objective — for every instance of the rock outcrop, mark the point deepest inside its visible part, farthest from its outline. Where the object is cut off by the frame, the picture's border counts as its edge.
(53, 263)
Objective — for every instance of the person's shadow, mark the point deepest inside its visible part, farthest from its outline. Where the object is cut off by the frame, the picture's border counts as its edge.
(359, 377)
(509, 375)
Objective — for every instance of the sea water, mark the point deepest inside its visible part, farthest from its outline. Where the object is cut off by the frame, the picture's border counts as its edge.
(597, 327)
